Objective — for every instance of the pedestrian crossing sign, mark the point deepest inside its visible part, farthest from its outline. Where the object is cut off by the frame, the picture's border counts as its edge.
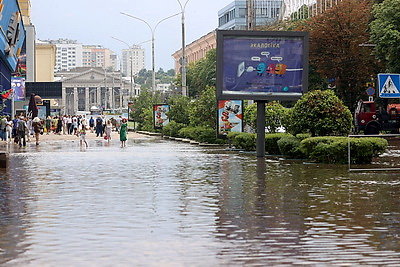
(389, 85)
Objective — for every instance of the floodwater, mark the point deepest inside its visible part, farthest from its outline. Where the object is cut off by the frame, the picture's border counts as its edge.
(164, 203)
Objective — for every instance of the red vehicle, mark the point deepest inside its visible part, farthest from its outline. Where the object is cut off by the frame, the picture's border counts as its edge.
(372, 120)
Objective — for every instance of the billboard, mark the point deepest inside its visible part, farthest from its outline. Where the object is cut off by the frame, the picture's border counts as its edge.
(12, 36)
(18, 86)
(262, 65)
(230, 117)
(160, 115)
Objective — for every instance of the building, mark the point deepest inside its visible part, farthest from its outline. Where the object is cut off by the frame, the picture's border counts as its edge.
(68, 54)
(96, 56)
(45, 61)
(196, 50)
(83, 88)
(133, 59)
(12, 40)
(234, 15)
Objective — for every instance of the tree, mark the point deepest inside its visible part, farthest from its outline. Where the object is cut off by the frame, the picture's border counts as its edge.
(336, 38)
(320, 113)
(385, 33)
(179, 109)
(141, 105)
(202, 73)
(274, 113)
(203, 111)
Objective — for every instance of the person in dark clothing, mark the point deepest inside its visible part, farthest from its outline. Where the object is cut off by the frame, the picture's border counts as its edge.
(99, 127)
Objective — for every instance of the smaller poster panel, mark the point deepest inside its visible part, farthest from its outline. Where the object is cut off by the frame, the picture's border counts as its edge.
(230, 117)
(18, 86)
(160, 115)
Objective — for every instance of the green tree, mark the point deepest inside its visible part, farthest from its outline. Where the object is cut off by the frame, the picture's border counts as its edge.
(141, 105)
(335, 51)
(202, 73)
(274, 114)
(203, 111)
(320, 113)
(179, 109)
(385, 33)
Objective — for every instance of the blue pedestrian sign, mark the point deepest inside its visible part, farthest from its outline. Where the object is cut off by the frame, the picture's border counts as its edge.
(389, 85)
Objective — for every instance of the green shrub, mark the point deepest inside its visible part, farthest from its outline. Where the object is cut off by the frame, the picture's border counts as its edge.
(245, 141)
(172, 128)
(290, 146)
(271, 143)
(202, 134)
(332, 149)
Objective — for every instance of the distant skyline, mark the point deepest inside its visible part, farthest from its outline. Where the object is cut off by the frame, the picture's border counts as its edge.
(95, 22)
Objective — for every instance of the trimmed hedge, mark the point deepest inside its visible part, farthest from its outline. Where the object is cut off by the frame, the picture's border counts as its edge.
(202, 134)
(172, 128)
(325, 149)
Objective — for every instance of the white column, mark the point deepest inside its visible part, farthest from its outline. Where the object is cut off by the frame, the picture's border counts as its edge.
(75, 101)
(87, 98)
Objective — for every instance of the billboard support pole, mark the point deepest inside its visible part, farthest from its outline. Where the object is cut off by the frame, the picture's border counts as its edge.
(261, 128)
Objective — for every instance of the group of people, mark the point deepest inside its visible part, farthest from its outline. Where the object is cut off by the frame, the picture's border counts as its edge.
(21, 128)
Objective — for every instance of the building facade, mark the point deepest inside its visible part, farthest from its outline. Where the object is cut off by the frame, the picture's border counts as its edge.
(45, 61)
(234, 15)
(195, 50)
(133, 60)
(95, 56)
(83, 88)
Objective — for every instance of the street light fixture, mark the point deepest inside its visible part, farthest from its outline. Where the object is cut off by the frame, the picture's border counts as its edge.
(130, 58)
(152, 29)
(183, 64)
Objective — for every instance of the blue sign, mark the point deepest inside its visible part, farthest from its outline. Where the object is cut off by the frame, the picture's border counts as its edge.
(389, 85)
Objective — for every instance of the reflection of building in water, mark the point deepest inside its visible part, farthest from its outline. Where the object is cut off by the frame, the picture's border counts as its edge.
(83, 88)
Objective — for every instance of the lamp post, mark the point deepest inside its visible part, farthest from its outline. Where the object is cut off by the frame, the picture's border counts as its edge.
(130, 58)
(152, 29)
(183, 64)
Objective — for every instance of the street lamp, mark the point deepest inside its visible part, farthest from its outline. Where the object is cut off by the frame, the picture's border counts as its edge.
(152, 29)
(130, 58)
(183, 64)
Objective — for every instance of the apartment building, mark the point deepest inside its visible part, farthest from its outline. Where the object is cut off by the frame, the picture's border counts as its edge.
(96, 56)
(133, 58)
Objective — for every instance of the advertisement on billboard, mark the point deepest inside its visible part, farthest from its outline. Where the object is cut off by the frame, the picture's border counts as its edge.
(160, 115)
(230, 117)
(18, 86)
(261, 65)
(12, 36)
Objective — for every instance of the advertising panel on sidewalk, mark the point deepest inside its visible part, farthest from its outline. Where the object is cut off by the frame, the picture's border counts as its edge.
(160, 115)
(261, 65)
(230, 117)
(18, 86)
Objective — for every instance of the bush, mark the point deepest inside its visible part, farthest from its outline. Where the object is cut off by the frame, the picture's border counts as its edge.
(271, 143)
(200, 134)
(290, 146)
(335, 149)
(245, 141)
(172, 128)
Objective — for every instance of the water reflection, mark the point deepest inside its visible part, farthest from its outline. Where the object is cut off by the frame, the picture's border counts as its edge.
(160, 203)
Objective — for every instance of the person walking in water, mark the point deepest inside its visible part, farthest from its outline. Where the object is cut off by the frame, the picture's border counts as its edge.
(82, 137)
(37, 127)
(108, 130)
(123, 132)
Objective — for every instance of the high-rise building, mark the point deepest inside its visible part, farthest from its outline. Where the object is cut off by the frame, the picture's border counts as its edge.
(234, 16)
(133, 58)
(68, 54)
(98, 57)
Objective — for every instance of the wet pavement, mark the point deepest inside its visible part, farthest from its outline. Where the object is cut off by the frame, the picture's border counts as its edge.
(165, 203)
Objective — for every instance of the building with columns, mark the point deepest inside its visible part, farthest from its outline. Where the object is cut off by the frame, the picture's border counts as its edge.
(83, 88)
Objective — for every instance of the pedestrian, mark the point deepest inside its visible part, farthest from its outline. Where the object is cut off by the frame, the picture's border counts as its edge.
(37, 127)
(59, 124)
(48, 124)
(123, 133)
(108, 130)
(82, 138)
(99, 127)
(3, 124)
(9, 129)
(15, 126)
(22, 129)
(118, 123)
(91, 124)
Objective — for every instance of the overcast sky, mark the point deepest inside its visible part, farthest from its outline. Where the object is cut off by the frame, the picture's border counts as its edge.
(93, 22)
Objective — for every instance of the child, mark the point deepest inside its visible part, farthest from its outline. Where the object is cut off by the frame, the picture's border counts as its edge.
(108, 130)
(82, 133)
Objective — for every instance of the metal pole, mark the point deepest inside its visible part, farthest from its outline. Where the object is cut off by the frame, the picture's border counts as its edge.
(184, 61)
(260, 128)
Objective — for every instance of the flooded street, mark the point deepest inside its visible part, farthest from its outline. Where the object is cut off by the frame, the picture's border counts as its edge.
(165, 203)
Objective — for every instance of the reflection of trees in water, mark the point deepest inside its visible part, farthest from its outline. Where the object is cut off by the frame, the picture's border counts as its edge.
(288, 210)
(13, 210)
